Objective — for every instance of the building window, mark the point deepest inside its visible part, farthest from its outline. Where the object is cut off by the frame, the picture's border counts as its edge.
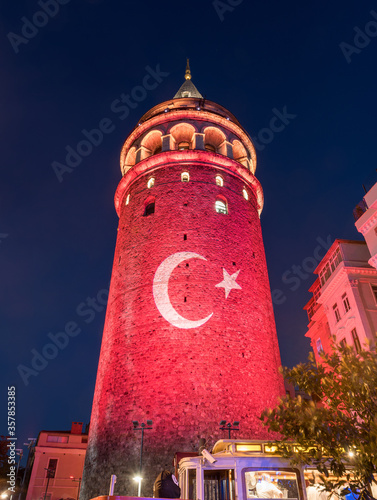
(150, 182)
(374, 290)
(356, 341)
(245, 194)
(336, 312)
(185, 177)
(221, 207)
(209, 147)
(183, 145)
(311, 310)
(219, 181)
(319, 347)
(51, 469)
(186, 94)
(343, 343)
(127, 199)
(57, 439)
(330, 266)
(346, 303)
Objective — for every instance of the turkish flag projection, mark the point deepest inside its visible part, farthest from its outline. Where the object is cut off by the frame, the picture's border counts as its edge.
(189, 337)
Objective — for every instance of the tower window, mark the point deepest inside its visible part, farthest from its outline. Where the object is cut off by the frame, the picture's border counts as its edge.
(127, 199)
(183, 145)
(219, 180)
(221, 206)
(245, 194)
(186, 94)
(149, 206)
(209, 147)
(149, 209)
(185, 177)
(150, 182)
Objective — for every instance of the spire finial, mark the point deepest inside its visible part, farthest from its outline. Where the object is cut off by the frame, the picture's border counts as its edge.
(188, 72)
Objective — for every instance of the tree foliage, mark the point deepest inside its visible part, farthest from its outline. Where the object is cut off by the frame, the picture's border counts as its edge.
(337, 430)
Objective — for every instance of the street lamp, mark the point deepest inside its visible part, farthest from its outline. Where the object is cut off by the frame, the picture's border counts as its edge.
(50, 475)
(31, 447)
(228, 426)
(77, 480)
(142, 427)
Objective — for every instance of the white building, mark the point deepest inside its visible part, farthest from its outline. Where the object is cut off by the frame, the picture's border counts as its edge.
(58, 464)
(366, 222)
(344, 302)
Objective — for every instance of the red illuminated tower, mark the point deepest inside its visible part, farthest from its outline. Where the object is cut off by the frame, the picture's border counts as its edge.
(190, 336)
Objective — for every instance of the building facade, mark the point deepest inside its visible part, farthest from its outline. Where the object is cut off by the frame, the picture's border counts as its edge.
(344, 302)
(58, 464)
(189, 336)
(366, 222)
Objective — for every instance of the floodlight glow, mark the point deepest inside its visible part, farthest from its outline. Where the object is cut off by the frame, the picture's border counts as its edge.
(138, 479)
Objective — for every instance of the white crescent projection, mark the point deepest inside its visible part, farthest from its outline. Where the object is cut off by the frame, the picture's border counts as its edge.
(161, 294)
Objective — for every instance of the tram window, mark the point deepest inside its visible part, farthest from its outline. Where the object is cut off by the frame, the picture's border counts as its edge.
(191, 484)
(272, 483)
(219, 485)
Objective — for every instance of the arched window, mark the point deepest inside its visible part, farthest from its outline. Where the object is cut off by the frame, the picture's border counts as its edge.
(183, 145)
(185, 177)
(214, 140)
(182, 135)
(151, 143)
(127, 199)
(245, 194)
(149, 206)
(221, 205)
(150, 182)
(219, 181)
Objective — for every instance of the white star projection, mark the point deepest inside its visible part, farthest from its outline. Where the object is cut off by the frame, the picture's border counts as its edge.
(229, 282)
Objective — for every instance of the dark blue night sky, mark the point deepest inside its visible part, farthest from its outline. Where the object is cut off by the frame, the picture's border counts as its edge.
(257, 59)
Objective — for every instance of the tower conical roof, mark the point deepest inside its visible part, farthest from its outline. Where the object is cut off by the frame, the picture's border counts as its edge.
(188, 89)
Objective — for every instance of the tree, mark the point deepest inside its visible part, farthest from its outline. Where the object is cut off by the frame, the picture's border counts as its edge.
(336, 431)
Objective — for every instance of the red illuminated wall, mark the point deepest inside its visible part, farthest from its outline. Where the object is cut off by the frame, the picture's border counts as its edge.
(184, 379)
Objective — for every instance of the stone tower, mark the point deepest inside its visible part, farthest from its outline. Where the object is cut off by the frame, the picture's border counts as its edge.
(189, 337)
